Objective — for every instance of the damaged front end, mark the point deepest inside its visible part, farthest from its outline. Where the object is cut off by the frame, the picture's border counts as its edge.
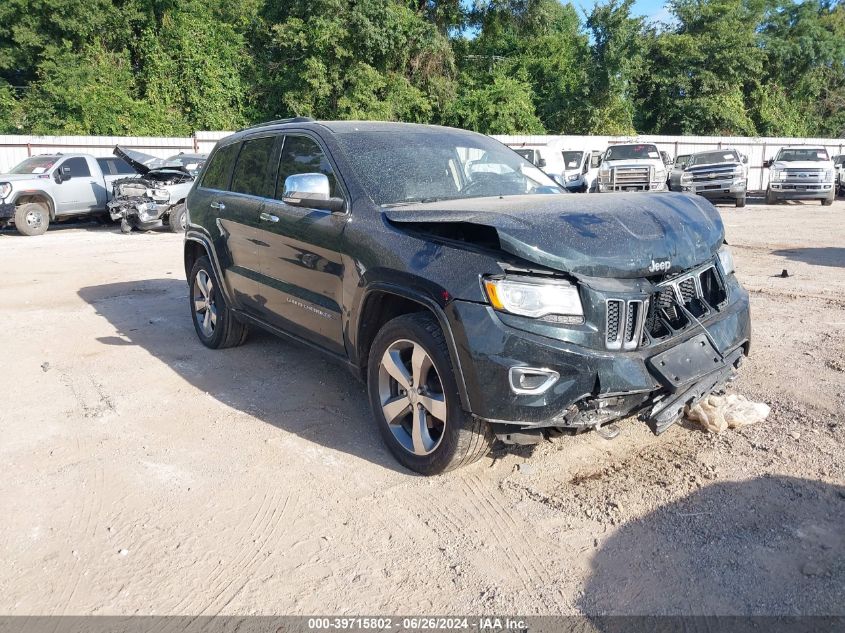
(152, 200)
(601, 309)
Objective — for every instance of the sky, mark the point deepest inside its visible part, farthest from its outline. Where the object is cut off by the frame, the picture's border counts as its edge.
(654, 10)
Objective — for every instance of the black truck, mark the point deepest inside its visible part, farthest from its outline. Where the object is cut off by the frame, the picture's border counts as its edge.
(474, 297)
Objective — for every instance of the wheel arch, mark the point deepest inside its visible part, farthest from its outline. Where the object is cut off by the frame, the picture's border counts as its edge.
(196, 246)
(36, 195)
(382, 302)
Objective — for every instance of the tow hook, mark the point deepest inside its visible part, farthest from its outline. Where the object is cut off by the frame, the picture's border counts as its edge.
(608, 431)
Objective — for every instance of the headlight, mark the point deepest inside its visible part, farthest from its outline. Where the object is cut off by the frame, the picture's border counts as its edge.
(162, 194)
(828, 175)
(686, 178)
(534, 297)
(572, 178)
(738, 172)
(660, 175)
(726, 260)
(776, 175)
(5, 189)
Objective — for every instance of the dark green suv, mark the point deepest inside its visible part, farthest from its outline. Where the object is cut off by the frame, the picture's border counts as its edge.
(473, 295)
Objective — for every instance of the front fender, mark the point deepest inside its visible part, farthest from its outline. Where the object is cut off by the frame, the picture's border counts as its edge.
(51, 203)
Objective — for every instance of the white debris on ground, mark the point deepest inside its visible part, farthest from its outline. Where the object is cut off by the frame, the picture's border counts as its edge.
(717, 413)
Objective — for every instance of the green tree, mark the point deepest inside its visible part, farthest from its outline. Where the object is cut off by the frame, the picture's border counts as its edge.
(617, 64)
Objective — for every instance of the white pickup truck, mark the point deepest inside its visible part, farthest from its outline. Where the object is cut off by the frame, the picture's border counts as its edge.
(50, 187)
(633, 167)
(801, 173)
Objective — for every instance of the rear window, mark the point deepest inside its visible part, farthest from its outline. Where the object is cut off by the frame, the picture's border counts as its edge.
(250, 175)
(218, 169)
(115, 166)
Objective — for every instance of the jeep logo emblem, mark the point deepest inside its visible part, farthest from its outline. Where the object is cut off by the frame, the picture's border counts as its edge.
(659, 267)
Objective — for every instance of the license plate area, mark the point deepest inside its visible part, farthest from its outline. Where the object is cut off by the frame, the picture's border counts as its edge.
(686, 362)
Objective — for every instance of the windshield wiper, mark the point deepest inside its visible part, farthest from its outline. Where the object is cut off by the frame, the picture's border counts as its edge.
(416, 201)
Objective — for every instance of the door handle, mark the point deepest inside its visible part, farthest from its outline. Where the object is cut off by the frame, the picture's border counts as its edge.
(217, 205)
(267, 217)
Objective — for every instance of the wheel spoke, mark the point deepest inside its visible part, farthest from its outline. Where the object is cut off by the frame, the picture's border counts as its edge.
(206, 322)
(420, 362)
(201, 280)
(395, 408)
(209, 287)
(392, 362)
(213, 312)
(419, 432)
(435, 404)
(200, 304)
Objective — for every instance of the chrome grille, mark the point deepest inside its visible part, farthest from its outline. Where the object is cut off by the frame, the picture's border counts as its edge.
(624, 323)
(804, 175)
(623, 177)
(631, 323)
(710, 174)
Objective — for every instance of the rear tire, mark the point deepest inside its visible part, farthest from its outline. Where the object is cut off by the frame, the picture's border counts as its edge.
(215, 324)
(429, 432)
(32, 218)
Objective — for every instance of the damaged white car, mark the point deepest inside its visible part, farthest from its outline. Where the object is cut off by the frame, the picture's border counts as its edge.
(157, 197)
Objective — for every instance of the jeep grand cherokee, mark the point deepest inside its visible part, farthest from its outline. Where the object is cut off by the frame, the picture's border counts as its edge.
(473, 296)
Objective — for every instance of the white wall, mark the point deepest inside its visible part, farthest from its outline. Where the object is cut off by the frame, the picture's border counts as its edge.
(757, 149)
(14, 149)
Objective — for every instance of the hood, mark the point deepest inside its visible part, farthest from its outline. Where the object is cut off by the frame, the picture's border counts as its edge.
(619, 235)
(719, 165)
(635, 162)
(144, 163)
(803, 164)
(16, 177)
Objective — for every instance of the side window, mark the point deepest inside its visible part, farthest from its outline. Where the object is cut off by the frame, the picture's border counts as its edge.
(302, 155)
(106, 166)
(250, 174)
(217, 172)
(78, 167)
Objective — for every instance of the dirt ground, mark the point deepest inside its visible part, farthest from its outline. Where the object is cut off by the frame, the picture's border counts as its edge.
(145, 474)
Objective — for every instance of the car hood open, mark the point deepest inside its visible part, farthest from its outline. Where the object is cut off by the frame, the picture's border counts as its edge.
(595, 235)
(144, 163)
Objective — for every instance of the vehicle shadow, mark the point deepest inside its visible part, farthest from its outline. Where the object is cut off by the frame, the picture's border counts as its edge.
(833, 256)
(282, 382)
(771, 545)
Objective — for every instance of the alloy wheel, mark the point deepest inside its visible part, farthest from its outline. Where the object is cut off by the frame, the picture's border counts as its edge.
(412, 398)
(205, 309)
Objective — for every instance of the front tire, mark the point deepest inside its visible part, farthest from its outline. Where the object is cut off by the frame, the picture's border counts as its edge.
(827, 201)
(215, 324)
(740, 202)
(178, 219)
(415, 401)
(32, 218)
(770, 198)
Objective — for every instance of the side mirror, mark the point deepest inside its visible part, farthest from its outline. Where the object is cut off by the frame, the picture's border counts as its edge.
(595, 161)
(311, 191)
(744, 159)
(62, 174)
(541, 162)
(767, 163)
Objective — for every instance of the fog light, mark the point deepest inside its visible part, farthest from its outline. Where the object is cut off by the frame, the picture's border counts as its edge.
(531, 380)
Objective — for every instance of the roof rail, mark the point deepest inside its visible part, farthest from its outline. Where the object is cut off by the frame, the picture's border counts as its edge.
(296, 119)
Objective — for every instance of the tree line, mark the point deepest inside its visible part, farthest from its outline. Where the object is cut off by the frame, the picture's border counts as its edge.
(169, 67)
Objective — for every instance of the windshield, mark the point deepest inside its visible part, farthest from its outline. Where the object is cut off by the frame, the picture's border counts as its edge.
(682, 159)
(711, 158)
(527, 154)
(572, 160)
(815, 154)
(431, 165)
(35, 165)
(629, 152)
